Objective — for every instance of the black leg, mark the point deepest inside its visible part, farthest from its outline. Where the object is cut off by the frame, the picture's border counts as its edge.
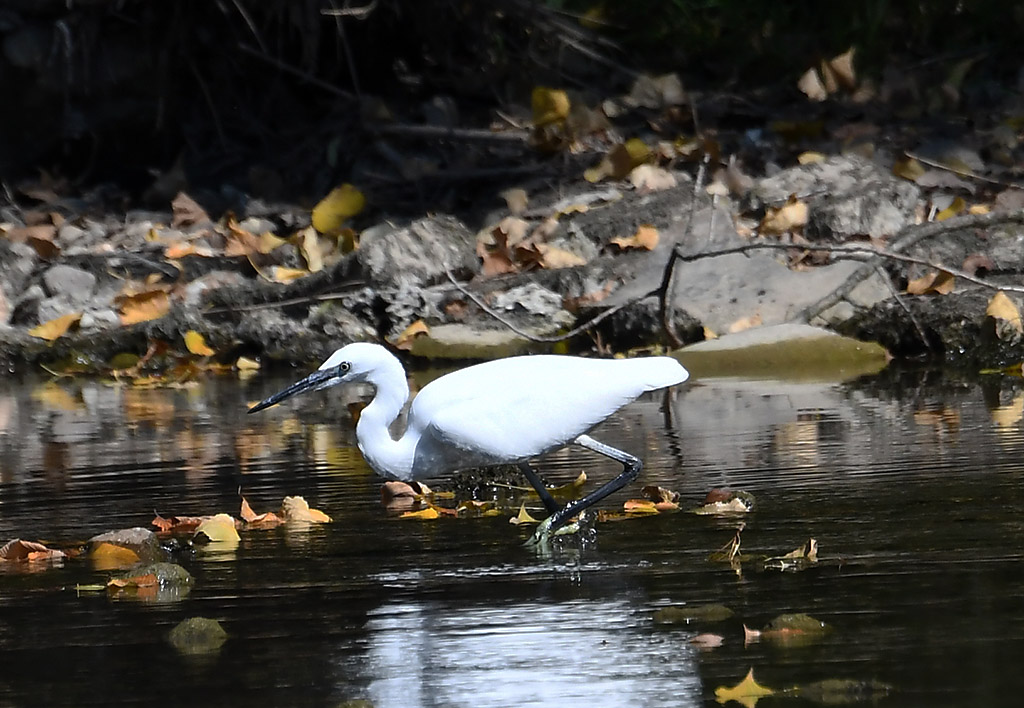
(542, 491)
(631, 467)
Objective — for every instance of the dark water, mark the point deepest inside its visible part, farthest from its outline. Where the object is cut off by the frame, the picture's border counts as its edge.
(911, 485)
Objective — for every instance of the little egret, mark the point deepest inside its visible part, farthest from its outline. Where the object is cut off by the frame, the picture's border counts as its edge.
(499, 412)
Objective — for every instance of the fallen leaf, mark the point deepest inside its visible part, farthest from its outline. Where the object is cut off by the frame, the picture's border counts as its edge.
(552, 257)
(651, 178)
(1001, 307)
(427, 514)
(645, 238)
(331, 213)
(523, 517)
(177, 523)
(244, 363)
(810, 84)
(516, 199)
(935, 283)
(744, 323)
(186, 211)
(746, 692)
(975, 262)
(549, 106)
(298, 509)
(810, 157)
(957, 207)
(55, 328)
(619, 161)
(268, 242)
(791, 216)
(309, 247)
(842, 71)
(109, 556)
(196, 344)
(416, 329)
(909, 169)
(639, 506)
(17, 550)
(219, 529)
(252, 518)
(143, 307)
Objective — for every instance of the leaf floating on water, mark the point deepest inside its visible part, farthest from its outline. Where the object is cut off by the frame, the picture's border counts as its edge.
(726, 501)
(178, 523)
(298, 509)
(54, 329)
(747, 692)
(798, 559)
(428, 514)
(253, 519)
(196, 343)
(523, 517)
(219, 529)
(18, 550)
(639, 506)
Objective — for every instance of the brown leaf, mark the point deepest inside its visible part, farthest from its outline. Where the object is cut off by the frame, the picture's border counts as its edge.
(975, 262)
(935, 283)
(251, 517)
(239, 242)
(180, 524)
(186, 211)
(516, 199)
(639, 506)
(17, 549)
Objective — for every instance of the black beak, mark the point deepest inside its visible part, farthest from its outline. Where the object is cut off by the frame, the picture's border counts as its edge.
(310, 383)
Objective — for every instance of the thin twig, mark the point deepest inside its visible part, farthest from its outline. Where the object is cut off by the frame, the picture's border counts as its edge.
(440, 131)
(906, 308)
(589, 324)
(961, 172)
(359, 13)
(326, 297)
(330, 88)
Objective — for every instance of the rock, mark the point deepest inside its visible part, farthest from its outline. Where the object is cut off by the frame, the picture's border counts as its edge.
(463, 341)
(99, 319)
(197, 635)
(847, 195)
(693, 614)
(142, 541)
(17, 261)
(415, 255)
(6, 309)
(791, 352)
(74, 283)
(532, 299)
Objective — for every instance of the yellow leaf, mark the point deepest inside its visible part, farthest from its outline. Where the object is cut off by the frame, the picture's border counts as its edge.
(790, 216)
(340, 205)
(144, 306)
(957, 207)
(107, 556)
(935, 283)
(55, 328)
(639, 506)
(549, 106)
(909, 169)
(523, 517)
(979, 209)
(404, 340)
(746, 692)
(645, 238)
(811, 85)
(246, 364)
(427, 514)
(810, 157)
(219, 528)
(196, 344)
(1003, 308)
(620, 161)
(309, 245)
(269, 242)
(553, 257)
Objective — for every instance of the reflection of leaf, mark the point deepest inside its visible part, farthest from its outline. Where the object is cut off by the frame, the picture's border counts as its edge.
(55, 328)
(344, 202)
(1008, 416)
(746, 692)
(196, 344)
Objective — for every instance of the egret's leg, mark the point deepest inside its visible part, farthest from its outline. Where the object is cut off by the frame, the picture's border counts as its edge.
(542, 491)
(631, 467)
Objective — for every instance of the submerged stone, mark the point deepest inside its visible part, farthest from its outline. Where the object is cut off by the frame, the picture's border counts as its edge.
(197, 635)
(691, 615)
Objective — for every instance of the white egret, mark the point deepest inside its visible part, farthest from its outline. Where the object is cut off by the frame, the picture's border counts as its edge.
(499, 412)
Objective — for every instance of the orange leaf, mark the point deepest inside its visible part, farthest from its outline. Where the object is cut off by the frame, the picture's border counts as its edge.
(935, 283)
(55, 328)
(416, 329)
(196, 344)
(144, 306)
(645, 238)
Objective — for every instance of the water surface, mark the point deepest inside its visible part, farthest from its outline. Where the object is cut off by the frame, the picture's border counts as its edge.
(910, 483)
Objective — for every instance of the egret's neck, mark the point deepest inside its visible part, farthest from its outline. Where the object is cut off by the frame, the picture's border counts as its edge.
(388, 457)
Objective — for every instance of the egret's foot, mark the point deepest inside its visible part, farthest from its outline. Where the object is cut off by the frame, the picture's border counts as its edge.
(543, 535)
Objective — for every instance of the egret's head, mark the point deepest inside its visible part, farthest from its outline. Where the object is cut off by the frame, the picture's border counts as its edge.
(350, 364)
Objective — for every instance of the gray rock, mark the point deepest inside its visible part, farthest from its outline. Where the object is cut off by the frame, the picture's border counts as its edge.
(104, 318)
(53, 307)
(69, 234)
(74, 283)
(415, 255)
(6, 309)
(143, 541)
(847, 196)
(531, 298)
